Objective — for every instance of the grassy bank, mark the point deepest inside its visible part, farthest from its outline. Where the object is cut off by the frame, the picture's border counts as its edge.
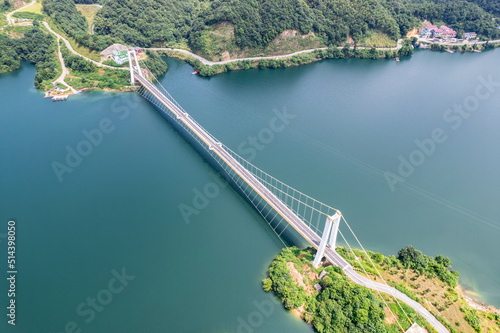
(86, 75)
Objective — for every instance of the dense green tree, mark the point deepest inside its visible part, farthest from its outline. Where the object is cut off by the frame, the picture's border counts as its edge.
(36, 47)
(5, 6)
(408, 255)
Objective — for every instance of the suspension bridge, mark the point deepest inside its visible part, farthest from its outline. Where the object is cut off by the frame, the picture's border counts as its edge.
(280, 205)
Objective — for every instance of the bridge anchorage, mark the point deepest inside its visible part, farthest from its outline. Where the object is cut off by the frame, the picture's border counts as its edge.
(279, 204)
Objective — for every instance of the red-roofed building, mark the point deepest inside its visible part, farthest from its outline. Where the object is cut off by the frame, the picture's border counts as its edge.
(448, 32)
(437, 32)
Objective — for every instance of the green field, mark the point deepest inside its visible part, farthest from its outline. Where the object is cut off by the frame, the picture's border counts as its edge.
(35, 8)
(377, 39)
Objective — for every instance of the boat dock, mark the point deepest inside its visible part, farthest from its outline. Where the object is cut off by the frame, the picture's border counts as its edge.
(59, 98)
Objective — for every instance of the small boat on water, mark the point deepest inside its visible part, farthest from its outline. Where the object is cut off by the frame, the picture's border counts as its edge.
(194, 73)
(397, 59)
(59, 98)
(450, 51)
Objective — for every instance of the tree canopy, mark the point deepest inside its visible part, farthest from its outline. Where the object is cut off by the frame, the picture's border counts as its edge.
(37, 47)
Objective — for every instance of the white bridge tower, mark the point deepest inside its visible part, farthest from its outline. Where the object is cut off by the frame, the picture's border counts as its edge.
(329, 237)
(134, 65)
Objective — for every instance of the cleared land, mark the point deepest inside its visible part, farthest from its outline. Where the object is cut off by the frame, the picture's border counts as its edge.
(221, 44)
(377, 39)
(446, 303)
(89, 12)
(34, 8)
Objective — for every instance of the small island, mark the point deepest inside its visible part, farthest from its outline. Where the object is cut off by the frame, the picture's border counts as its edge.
(330, 302)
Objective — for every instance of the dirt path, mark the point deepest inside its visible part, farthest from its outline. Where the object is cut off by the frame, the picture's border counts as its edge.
(65, 71)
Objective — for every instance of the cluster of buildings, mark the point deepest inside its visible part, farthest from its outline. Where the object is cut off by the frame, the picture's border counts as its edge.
(470, 35)
(434, 31)
(119, 53)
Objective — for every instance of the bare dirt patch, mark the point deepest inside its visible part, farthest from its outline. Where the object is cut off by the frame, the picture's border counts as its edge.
(287, 34)
(19, 3)
(298, 278)
(389, 317)
(24, 24)
(225, 56)
(299, 312)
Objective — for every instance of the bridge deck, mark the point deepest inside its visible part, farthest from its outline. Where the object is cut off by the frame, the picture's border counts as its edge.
(280, 207)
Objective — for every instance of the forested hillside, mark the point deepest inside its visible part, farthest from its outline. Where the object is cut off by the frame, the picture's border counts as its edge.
(37, 47)
(258, 22)
(74, 24)
(492, 6)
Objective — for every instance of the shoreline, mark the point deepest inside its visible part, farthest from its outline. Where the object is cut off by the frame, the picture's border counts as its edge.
(285, 61)
(476, 303)
(207, 62)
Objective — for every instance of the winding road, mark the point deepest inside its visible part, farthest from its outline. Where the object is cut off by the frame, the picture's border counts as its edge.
(70, 48)
(64, 72)
(211, 63)
(10, 20)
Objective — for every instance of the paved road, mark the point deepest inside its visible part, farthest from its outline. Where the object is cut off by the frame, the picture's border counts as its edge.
(211, 63)
(336, 259)
(10, 20)
(70, 48)
(65, 71)
(214, 146)
(465, 42)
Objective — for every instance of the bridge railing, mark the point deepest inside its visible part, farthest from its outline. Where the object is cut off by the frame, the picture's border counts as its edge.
(277, 223)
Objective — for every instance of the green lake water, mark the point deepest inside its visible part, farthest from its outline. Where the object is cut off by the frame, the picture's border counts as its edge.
(118, 208)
